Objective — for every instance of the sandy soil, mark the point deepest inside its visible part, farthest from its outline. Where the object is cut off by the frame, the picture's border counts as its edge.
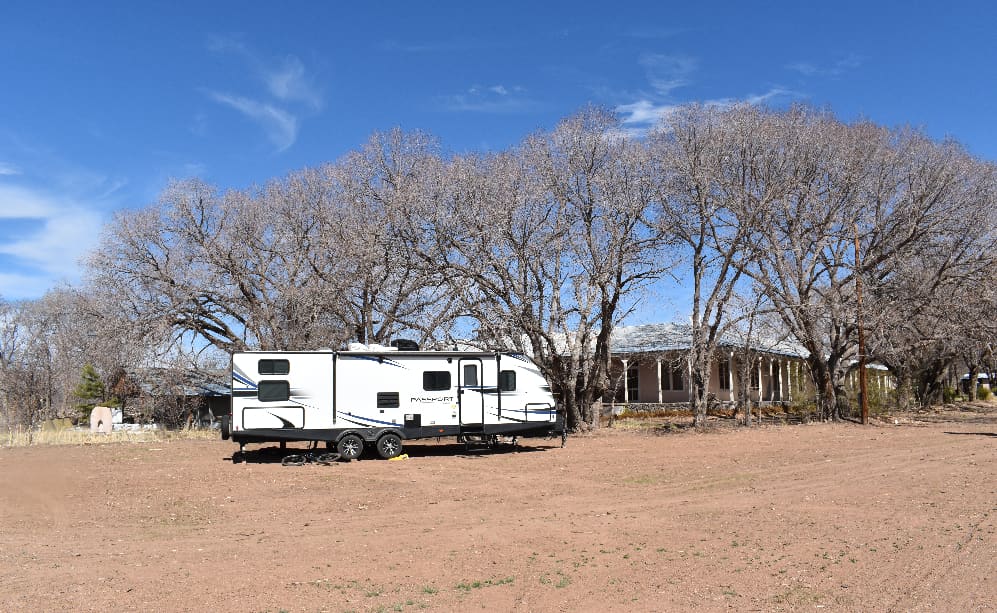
(889, 517)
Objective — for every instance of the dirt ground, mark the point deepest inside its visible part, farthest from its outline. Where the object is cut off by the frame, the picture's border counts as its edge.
(889, 517)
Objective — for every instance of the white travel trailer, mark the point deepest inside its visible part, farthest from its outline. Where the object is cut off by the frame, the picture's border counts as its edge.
(353, 399)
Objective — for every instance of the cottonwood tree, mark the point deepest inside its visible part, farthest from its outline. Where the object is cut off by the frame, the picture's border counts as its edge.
(892, 188)
(378, 192)
(167, 262)
(936, 307)
(931, 306)
(546, 245)
(713, 181)
(308, 261)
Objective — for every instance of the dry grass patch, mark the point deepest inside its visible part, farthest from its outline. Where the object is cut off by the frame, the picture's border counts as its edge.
(25, 438)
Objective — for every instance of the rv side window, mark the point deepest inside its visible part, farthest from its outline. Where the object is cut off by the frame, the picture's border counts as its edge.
(274, 367)
(387, 400)
(471, 374)
(507, 381)
(274, 391)
(435, 380)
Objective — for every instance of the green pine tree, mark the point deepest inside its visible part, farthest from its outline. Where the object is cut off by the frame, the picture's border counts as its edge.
(90, 391)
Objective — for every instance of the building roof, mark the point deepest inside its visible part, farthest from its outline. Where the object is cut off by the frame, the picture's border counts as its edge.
(652, 338)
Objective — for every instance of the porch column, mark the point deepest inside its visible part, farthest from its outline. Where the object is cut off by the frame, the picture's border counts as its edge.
(773, 377)
(778, 369)
(658, 362)
(759, 380)
(730, 376)
(789, 380)
(626, 384)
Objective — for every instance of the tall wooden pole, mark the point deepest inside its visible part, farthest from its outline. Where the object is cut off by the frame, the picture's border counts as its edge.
(858, 296)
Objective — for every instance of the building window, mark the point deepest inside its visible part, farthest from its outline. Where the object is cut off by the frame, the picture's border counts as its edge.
(723, 372)
(633, 384)
(671, 377)
(273, 391)
(273, 367)
(507, 381)
(435, 380)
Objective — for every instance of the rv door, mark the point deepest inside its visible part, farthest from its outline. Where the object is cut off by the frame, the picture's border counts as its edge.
(470, 399)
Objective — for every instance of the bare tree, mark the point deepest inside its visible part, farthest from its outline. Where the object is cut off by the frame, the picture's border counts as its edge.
(44, 345)
(931, 306)
(545, 246)
(715, 180)
(894, 189)
(308, 261)
(26, 395)
(378, 192)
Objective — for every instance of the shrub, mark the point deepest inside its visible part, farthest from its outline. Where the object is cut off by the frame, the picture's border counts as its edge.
(949, 394)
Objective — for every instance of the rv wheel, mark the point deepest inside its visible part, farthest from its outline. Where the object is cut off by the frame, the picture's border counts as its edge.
(350, 447)
(389, 445)
(223, 425)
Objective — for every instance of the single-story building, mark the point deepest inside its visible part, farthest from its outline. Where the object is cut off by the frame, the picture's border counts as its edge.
(649, 365)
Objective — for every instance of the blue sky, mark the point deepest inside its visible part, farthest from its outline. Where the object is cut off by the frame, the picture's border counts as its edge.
(102, 103)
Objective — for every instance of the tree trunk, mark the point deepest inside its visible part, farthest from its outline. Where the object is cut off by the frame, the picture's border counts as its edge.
(974, 382)
(699, 381)
(824, 386)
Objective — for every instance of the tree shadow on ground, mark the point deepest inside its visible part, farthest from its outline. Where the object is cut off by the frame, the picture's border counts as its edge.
(974, 433)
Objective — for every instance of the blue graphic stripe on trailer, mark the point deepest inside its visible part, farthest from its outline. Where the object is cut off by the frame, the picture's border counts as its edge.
(531, 411)
(370, 419)
(517, 420)
(353, 421)
(244, 380)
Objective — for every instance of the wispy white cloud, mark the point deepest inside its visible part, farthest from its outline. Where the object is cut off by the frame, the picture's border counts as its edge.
(19, 286)
(804, 68)
(490, 99)
(776, 93)
(280, 126)
(666, 73)
(640, 116)
(835, 69)
(644, 112)
(53, 232)
(6, 170)
(286, 82)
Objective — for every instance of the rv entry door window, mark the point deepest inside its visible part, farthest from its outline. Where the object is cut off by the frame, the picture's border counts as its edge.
(470, 375)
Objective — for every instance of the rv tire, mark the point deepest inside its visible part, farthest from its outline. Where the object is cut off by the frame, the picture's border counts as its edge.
(389, 446)
(350, 447)
(223, 425)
